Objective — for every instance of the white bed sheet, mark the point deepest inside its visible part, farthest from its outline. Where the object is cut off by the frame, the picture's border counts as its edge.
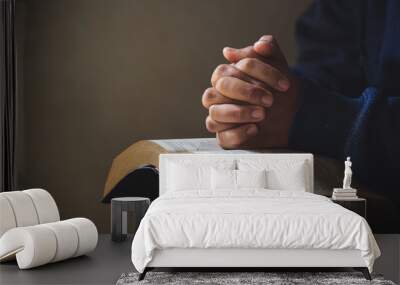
(250, 219)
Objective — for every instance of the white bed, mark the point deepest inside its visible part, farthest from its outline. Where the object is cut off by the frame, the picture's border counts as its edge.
(201, 220)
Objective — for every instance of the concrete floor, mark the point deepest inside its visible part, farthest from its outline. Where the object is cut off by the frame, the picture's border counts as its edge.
(388, 264)
(110, 260)
(103, 266)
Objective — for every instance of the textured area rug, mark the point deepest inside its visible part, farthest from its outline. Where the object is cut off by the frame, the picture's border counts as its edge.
(233, 278)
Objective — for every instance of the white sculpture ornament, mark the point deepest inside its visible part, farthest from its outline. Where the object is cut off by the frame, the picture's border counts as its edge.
(347, 174)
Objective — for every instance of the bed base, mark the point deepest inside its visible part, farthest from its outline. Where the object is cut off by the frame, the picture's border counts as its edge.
(242, 259)
(363, 270)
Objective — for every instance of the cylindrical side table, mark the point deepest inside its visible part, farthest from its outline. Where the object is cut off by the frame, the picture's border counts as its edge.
(119, 215)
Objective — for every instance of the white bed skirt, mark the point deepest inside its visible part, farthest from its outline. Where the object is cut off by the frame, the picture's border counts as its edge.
(236, 257)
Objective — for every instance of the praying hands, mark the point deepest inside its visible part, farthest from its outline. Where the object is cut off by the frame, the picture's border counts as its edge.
(252, 101)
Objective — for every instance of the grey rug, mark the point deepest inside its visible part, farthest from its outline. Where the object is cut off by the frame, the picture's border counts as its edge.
(232, 278)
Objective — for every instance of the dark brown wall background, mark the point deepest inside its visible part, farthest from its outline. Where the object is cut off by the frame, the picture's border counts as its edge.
(99, 75)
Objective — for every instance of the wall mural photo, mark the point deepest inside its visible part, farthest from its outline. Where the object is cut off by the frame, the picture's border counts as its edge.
(140, 138)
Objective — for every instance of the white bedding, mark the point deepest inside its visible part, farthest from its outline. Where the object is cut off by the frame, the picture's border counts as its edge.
(250, 219)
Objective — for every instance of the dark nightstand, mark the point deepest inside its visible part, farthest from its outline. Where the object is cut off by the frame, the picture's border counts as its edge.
(357, 205)
(119, 215)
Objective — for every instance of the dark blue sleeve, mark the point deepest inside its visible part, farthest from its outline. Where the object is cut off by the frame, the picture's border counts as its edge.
(339, 115)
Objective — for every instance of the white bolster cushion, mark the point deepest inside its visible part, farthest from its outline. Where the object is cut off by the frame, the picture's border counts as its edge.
(45, 205)
(41, 244)
(26, 208)
(23, 208)
(7, 218)
(87, 235)
(33, 246)
(67, 240)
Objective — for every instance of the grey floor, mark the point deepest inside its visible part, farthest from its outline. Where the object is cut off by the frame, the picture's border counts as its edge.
(103, 266)
(110, 260)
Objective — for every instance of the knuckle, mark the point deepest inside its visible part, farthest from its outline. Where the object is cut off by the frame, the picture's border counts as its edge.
(236, 138)
(213, 112)
(230, 139)
(224, 140)
(221, 141)
(263, 113)
(209, 91)
(222, 84)
(240, 114)
(248, 63)
(218, 73)
(252, 93)
(221, 69)
(210, 125)
(208, 97)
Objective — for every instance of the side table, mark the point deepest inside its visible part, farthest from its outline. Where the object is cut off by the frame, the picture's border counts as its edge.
(357, 205)
(119, 215)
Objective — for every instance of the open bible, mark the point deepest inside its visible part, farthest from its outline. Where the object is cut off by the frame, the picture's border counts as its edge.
(134, 172)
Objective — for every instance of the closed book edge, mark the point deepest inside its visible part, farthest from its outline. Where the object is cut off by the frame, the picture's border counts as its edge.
(341, 190)
(344, 198)
(344, 194)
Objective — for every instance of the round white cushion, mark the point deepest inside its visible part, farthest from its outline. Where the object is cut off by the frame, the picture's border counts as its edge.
(26, 208)
(87, 233)
(33, 246)
(67, 240)
(41, 244)
(45, 205)
(23, 208)
(7, 218)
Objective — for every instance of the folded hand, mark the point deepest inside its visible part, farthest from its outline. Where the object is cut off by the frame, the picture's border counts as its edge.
(252, 100)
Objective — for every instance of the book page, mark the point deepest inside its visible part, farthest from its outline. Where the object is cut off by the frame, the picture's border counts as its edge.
(189, 145)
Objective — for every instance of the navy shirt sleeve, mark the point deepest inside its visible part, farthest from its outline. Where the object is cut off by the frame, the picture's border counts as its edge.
(340, 114)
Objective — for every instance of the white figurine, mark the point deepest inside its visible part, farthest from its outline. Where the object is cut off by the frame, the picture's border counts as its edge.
(347, 174)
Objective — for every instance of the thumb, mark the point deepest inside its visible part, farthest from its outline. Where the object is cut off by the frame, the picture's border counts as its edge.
(233, 55)
(268, 47)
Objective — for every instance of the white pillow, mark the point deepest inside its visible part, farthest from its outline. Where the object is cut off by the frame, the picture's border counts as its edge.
(223, 179)
(183, 177)
(227, 179)
(187, 175)
(281, 174)
(289, 179)
(251, 178)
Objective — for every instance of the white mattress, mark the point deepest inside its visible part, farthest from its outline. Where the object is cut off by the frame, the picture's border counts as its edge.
(254, 219)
